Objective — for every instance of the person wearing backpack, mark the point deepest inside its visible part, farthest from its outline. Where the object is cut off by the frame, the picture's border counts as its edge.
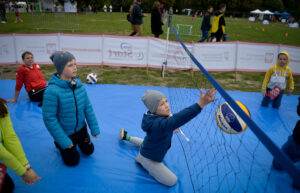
(218, 24)
(137, 18)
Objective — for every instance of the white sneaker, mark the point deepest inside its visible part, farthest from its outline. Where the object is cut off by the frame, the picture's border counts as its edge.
(122, 134)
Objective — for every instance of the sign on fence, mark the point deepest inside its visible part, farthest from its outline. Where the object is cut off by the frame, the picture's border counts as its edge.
(145, 51)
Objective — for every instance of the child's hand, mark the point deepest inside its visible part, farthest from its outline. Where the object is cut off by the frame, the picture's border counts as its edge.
(30, 177)
(70, 146)
(11, 100)
(176, 130)
(264, 93)
(95, 136)
(207, 98)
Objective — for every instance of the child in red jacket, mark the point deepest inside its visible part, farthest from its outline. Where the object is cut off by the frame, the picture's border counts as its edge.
(31, 76)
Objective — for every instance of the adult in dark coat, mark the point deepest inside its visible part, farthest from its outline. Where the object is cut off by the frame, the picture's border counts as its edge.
(206, 24)
(3, 12)
(137, 18)
(156, 21)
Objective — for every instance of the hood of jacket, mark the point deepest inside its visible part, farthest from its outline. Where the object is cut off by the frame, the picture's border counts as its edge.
(148, 120)
(285, 66)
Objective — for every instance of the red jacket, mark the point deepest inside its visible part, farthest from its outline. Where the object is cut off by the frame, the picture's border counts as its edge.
(32, 78)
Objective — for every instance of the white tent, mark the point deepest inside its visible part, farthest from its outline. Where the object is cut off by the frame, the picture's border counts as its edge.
(256, 11)
(21, 3)
(267, 12)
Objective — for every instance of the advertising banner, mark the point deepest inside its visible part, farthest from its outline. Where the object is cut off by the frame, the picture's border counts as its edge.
(42, 46)
(7, 50)
(86, 49)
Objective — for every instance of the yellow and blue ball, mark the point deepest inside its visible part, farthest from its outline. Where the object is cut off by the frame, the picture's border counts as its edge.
(228, 120)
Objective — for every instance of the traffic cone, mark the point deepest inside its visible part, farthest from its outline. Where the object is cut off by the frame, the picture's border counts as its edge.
(263, 29)
(286, 34)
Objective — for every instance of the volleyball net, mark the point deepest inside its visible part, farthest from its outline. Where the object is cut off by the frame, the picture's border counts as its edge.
(222, 162)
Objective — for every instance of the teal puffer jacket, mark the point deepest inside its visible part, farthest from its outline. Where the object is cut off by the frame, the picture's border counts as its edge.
(65, 109)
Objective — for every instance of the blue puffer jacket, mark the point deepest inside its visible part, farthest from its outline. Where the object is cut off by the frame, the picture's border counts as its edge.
(65, 110)
(160, 131)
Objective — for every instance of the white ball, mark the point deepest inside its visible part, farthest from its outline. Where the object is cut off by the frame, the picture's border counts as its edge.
(91, 78)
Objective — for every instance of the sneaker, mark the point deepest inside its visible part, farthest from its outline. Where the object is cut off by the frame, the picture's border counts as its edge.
(123, 134)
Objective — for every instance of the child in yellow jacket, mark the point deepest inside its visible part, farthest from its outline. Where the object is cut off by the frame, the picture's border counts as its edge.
(276, 79)
(12, 154)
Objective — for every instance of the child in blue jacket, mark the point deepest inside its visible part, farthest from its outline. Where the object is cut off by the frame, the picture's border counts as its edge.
(66, 107)
(159, 125)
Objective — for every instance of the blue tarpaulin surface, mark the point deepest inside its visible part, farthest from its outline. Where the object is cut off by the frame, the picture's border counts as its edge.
(112, 166)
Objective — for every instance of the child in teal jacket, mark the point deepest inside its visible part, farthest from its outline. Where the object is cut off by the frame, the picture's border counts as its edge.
(66, 107)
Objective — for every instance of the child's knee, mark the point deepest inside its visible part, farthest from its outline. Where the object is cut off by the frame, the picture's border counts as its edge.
(172, 181)
(70, 156)
(168, 180)
(87, 147)
(276, 105)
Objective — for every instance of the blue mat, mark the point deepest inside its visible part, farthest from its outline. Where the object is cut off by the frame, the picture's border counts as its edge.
(112, 168)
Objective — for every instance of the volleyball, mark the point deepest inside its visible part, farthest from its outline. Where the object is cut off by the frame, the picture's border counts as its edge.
(91, 78)
(229, 121)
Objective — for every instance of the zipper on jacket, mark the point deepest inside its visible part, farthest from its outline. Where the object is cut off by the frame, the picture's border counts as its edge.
(73, 89)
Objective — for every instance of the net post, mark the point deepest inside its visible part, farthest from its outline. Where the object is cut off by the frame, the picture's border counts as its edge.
(235, 62)
(101, 69)
(192, 73)
(147, 70)
(164, 64)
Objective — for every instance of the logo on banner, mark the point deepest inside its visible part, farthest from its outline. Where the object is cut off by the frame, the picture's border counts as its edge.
(4, 49)
(269, 57)
(226, 56)
(126, 52)
(50, 48)
(179, 57)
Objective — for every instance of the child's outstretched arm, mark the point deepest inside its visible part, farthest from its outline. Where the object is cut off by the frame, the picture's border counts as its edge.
(185, 115)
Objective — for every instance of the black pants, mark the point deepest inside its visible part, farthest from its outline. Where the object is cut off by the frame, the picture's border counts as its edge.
(70, 156)
(37, 95)
(217, 35)
(8, 185)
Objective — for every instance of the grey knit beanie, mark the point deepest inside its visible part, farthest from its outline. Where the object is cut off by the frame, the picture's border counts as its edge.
(60, 59)
(151, 99)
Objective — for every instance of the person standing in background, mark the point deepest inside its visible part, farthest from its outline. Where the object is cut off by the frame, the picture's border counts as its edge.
(206, 25)
(218, 25)
(3, 12)
(156, 20)
(137, 19)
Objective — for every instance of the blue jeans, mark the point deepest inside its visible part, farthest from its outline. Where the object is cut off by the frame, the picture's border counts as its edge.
(204, 36)
(276, 102)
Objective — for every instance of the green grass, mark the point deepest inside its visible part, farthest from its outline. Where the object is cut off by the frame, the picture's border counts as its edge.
(240, 81)
(116, 24)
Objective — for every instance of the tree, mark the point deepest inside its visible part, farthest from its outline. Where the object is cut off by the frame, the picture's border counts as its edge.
(273, 5)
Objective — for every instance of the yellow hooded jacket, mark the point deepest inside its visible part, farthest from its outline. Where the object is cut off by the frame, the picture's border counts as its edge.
(277, 70)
